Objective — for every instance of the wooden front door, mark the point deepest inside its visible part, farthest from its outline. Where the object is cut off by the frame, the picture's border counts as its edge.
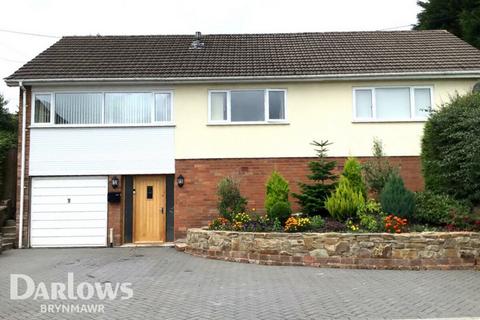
(149, 209)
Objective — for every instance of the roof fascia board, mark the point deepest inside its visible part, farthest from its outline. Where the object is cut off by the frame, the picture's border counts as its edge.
(187, 80)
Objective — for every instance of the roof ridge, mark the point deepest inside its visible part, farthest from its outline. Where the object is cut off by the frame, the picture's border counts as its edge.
(257, 34)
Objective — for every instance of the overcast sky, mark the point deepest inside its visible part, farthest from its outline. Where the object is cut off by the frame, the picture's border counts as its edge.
(108, 17)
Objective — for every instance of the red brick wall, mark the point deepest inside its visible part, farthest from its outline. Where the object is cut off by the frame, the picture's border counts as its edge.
(195, 202)
(26, 210)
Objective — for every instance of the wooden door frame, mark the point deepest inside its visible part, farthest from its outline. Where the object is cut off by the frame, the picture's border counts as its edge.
(134, 209)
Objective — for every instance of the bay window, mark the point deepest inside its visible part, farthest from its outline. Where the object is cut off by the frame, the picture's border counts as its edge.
(392, 103)
(247, 106)
(103, 108)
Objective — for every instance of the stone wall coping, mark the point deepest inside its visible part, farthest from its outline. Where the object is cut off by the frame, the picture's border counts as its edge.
(337, 234)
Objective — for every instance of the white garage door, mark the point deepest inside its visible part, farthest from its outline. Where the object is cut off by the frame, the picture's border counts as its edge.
(69, 212)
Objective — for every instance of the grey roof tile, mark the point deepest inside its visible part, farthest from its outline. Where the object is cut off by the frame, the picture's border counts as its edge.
(251, 55)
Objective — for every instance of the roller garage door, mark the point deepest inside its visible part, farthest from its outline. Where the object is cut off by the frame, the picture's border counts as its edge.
(69, 212)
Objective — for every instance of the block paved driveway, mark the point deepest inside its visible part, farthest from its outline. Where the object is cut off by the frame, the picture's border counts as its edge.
(171, 285)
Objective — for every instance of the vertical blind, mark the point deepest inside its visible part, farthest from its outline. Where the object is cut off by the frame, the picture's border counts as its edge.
(163, 107)
(42, 108)
(218, 106)
(78, 108)
(128, 108)
(276, 102)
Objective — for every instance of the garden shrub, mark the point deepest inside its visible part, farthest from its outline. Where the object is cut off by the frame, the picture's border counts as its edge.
(317, 222)
(396, 199)
(378, 169)
(353, 172)
(451, 149)
(344, 202)
(437, 209)
(230, 200)
(312, 196)
(371, 216)
(281, 211)
(277, 191)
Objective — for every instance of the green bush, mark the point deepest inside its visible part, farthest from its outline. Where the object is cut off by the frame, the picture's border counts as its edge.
(378, 169)
(396, 199)
(451, 149)
(317, 222)
(344, 202)
(437, 210)
(281, 211)
(312, 196)
(371, 216)
(230, 200)
(277, 191)
(353, 172)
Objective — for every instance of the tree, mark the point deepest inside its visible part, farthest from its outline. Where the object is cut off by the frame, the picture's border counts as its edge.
(378, 169)
(230, 200)
(277, 191)
(396, 199)
(451, 149)
(8, 135)
(460, 17)
(353, 172)
(312, 196)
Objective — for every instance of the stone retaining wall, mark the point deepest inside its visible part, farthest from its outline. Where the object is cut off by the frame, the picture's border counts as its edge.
(427, 250)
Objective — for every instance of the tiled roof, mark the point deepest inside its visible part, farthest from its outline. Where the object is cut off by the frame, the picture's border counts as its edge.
(251, 55)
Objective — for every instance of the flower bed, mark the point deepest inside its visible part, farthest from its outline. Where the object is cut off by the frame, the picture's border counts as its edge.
(427, 250)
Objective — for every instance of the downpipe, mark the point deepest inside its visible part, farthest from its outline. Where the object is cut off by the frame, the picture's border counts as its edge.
(22, 166)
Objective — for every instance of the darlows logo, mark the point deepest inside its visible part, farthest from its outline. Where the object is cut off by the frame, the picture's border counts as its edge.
(23, 287)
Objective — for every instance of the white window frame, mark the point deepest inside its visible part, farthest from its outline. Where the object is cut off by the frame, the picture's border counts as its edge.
(153, 123)
(266, 109)
(412, 118)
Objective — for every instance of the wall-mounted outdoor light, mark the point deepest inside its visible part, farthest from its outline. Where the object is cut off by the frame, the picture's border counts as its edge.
(115, 182)
(180, 181)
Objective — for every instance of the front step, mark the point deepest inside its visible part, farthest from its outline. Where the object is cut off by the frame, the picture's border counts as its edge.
(9, 235)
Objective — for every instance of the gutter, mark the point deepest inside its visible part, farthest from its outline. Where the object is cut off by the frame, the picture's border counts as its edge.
(22, 165)
(327, 77)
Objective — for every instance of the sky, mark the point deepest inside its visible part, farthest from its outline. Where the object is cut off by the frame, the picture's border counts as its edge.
(55, 18)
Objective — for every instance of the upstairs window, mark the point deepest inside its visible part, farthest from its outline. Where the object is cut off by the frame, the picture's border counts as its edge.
(247, 106)
(43, 106)
(100, 108)
(392, 103)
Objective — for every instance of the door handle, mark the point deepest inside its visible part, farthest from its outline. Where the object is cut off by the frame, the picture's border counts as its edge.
(161, 210)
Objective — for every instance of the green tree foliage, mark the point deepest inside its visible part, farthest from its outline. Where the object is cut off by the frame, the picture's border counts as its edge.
(230, 200)
(460, 17)
(280, 211)
(8, 132)
(344, 202)
(378, 169)
(438, 210)
(451, 149)
(396, 199)
(353, 172)
(277, 191)
(312, 196)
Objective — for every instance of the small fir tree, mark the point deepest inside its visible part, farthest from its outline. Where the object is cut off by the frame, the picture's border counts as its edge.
(277, 191)
(353, 172)
(344, 202)
(396, 199)
(312, 196)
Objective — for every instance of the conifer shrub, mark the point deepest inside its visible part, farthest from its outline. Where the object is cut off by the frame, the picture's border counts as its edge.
(344, 202)
(277, 191)
(323, 181)
(352, 170)
(396, 199)
(281, 211)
